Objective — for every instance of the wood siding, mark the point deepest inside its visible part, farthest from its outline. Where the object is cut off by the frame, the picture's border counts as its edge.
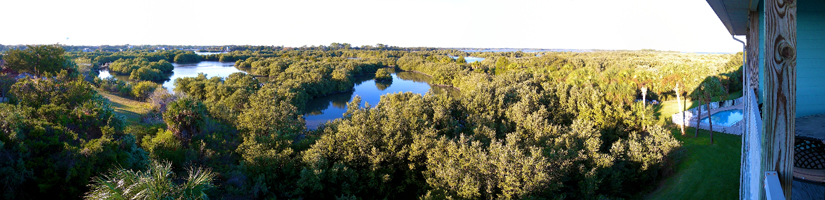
(753, 51)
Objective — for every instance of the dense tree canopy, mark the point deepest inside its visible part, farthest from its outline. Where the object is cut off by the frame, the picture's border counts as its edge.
(142, 69)
(56, 134)
(38, 59)
(561, 125)
(383, 76)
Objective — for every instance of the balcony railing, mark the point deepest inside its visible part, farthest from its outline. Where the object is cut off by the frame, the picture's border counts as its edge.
(750, 185)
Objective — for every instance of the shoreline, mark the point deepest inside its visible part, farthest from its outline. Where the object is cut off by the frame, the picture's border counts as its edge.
(442, 85)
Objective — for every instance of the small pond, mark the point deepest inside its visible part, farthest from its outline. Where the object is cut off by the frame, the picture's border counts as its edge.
(330, 107)
(725, 118)
(210, 68)
(469, 59)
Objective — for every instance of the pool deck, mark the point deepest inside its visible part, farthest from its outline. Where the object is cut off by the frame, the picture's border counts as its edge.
(736, 129)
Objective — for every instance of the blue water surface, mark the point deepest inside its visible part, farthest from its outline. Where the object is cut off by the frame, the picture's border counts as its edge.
(210, 68)
(725, 118)
(469, 59)
(330, 107)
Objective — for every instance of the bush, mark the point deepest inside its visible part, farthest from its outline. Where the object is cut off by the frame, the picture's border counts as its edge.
(142, 69)
(157, 182)
(185, 117)
(143, 89)
(147, 74)
(382, 75)
(187, 58)
(161, 97)
(165, 146)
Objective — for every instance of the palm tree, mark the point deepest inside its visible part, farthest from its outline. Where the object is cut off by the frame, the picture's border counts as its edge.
(644, 101)
(678, 100)
(708, 89)
(697, 96)
(154, 183)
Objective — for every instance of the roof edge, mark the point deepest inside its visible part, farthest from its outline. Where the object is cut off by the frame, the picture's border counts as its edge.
(721, 12)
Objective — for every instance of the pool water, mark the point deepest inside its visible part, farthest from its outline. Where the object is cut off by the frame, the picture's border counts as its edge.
(725, 118)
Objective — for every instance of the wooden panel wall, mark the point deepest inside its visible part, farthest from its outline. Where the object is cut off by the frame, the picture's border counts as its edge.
(753, 51)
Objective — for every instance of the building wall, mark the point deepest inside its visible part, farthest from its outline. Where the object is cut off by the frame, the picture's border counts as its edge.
(810, 60)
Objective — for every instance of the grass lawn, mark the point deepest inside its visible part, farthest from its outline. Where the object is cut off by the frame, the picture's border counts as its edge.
(129, 108)
(702, 170)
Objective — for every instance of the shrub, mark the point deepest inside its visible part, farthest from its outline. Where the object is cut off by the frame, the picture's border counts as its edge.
(382, 75)
(147, 74)
(157, 182)
(184, 118)
(143, 89)
(165, 146)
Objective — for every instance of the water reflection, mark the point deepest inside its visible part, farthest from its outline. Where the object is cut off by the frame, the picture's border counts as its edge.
(210, 68)
(469, 59)
(330, 107)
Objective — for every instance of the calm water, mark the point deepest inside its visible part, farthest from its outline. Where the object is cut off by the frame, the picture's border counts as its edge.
(320, 110)
(207, 53)
(210, 68)
(469, 59)
(526, 50)
(725, 118)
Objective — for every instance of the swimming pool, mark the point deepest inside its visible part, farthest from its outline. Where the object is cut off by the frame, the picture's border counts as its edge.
(725, 118)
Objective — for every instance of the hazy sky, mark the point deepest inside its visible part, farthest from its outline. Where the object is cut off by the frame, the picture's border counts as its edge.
(679, 25)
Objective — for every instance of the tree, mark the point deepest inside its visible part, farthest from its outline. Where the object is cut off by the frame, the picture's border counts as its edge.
(460, 60)
(267, 115)
(501, 65)
(644, 99)
(678, 100)
(37, 59)
(184, 117)
(713, 87)
(382, 75)
(142, 89)
(709, 88)
(5, 85)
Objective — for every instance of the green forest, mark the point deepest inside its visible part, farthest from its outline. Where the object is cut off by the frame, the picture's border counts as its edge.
(546, 125)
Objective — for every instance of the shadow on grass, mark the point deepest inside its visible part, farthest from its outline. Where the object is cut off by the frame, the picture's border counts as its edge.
(698, 170)
(701, 170)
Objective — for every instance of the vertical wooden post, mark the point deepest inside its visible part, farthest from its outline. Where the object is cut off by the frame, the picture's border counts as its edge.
(780, 90)
(752, 64)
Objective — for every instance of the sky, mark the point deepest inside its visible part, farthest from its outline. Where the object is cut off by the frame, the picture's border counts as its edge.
(680, 25)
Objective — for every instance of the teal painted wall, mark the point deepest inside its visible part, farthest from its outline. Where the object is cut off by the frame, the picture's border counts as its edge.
(810, 60)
